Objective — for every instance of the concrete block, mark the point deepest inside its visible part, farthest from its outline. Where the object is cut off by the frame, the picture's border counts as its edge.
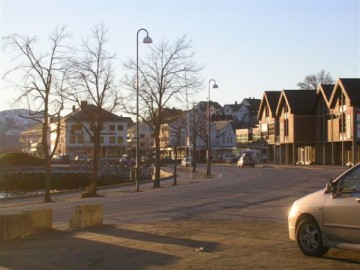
(86, 216)
(15, 226)
(41, 220)
(23, 224)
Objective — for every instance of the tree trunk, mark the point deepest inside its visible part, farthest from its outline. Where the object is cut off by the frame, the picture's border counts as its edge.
(47, 157)
(175, 167)
(157, 161)
(195, 156)
(47, 197)
(92, 192)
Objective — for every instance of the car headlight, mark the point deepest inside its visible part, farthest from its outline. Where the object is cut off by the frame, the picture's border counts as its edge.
(293, 212)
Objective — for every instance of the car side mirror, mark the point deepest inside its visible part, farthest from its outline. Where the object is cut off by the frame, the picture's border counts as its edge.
(331, 187)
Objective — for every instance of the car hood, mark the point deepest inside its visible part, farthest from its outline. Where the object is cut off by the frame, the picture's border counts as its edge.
(315, 199)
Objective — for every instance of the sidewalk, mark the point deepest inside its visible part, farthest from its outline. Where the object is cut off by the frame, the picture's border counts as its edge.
(67, 199)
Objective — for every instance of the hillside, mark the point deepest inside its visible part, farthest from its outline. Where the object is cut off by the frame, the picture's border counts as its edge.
(12, 122)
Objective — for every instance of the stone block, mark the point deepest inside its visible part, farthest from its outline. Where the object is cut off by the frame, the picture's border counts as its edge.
(86, 216)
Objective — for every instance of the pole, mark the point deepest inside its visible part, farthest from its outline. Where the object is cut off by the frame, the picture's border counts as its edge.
(147, 39)
(188, 130)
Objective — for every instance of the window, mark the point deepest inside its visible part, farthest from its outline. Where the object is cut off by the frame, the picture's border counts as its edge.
(286, 127)
(80, 139)
(120, 139)
(112, 139)
(120, 127)
(112, 127)
(142, 136)
(75, 129)
(342, 123)
(72, 139)
(101, 139)
(351, 181)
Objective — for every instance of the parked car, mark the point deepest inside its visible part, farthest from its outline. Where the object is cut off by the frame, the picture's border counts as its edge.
(185, 162)
(127, 161)
(228, 158)
(246, 160)
(328, 218)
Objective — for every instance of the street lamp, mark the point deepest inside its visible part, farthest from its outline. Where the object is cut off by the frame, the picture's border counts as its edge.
(208, 167)
(147, 40)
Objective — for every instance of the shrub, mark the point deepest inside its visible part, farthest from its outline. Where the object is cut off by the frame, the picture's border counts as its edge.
(16, 159)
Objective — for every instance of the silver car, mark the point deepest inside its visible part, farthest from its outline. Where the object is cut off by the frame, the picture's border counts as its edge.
(328, 218)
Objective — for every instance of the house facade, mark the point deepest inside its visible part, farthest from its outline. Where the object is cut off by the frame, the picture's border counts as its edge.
(269, 124)
(76, 136)
(314, 127)
(146, 139)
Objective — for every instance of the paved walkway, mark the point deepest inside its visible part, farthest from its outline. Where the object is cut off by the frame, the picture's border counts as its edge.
(64, 202)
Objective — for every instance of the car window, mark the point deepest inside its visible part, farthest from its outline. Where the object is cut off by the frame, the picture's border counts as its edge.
(351, 181)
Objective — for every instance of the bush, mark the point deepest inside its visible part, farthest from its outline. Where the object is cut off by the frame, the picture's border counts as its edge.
(16, 159)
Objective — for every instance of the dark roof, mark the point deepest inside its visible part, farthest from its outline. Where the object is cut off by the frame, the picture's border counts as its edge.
(86, 113)
(203, 105)
(326, 90)
(170, 115)
(270, 99)
(352, 88)
(253, 102)
(299, 101)
(234, 107)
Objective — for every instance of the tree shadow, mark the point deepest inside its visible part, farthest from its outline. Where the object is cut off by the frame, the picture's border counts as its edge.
(101, 247)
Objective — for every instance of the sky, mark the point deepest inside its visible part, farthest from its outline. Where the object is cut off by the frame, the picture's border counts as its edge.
(247, 46)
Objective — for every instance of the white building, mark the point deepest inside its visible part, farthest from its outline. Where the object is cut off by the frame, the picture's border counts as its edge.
(75, 139)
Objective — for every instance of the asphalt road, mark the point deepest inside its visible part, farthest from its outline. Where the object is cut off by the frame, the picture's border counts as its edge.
(239, 216)
(229, 189)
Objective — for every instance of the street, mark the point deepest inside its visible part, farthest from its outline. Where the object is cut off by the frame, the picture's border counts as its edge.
(235, 220)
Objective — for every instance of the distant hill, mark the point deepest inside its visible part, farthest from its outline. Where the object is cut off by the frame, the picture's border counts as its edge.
(12, 122)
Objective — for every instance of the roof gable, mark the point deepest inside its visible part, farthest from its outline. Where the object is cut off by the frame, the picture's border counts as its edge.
(270, 99)
(88, 113)
(298, 101)
(350, 87)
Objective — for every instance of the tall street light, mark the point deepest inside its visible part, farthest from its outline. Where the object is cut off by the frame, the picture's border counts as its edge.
(208, 167)
(147, 40)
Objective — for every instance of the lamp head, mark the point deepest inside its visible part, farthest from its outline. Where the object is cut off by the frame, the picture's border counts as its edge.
(147, 40)
(215, 85)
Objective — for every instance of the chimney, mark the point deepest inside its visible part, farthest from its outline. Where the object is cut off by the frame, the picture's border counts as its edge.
(73, 108)
(83, 104)
(235, 102)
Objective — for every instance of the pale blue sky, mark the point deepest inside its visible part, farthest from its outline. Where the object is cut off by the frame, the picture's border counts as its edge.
(247, 46)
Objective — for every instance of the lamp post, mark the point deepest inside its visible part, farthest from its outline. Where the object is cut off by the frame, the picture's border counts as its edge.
(147, 40)
(208, 167)
(188, 141)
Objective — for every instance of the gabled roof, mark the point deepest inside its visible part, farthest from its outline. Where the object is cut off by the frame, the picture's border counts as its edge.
(35, 128)
(254, 103)
(219, 125)
(234, 107)
(299, 101)
(271, 100)
(350, 87)
(326, 90)
(203, 105)
(88, 113)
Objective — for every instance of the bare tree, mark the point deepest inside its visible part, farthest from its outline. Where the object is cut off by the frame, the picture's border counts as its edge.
(162, 83)
(41, 84)
(199, 124)
(92, 81)
(174, 134)
(313, 81)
